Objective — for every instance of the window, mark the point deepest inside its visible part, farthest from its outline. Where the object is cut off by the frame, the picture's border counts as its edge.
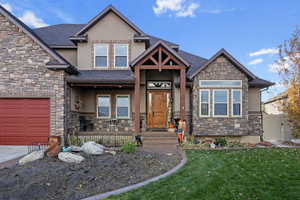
(101, 55)
(220, 104)
(104, 106)
(236, 96)
(121, 55)
(204, 102)
(122, 109)
(220, 83)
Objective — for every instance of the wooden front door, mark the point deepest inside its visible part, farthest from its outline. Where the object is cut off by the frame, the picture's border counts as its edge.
(158, 102)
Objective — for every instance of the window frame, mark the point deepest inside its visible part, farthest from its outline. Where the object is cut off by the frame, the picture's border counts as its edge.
(221, 86)
(127, 63)
(110, 103)
(129, 107)
(107, 56)
(200, 103)
(213, 103)
(241, 103)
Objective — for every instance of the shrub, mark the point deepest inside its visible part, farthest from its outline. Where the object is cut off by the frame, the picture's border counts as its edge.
(221, 142)
(129, 147)
(74, 140)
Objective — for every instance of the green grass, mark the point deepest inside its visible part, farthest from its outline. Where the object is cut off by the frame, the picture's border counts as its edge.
(229, 174)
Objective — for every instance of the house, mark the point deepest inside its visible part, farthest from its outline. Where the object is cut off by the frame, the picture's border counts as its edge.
(108, 76)
(275, 121)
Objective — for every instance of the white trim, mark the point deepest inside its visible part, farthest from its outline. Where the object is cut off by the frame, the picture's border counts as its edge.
(107, 55)
(123, 95)
(200, 93)
(127, 64)
(213, 103)
(241, 100)
(220, 86)
(103, 95)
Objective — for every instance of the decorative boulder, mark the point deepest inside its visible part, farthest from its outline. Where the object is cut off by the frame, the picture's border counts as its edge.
(76, 148)
(92, 148)
(36, 155)
(296, 141)
(70, 157)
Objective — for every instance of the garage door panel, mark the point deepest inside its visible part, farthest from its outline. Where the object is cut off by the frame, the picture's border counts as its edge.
(24, 121)
(22, 141)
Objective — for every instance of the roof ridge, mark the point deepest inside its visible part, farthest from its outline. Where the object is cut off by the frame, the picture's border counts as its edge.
(109, 8)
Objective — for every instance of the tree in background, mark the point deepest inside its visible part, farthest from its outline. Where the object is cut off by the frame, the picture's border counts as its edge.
(289, 71)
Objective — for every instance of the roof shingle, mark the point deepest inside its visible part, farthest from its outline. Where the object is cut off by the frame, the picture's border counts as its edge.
(102, 76)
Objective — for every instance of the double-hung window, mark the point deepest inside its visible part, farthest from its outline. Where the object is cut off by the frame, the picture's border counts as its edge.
(121, 55)
(122, 106)
(236, 100)
(204, 102)
(104, 106)
(101, 55)
(220, 103)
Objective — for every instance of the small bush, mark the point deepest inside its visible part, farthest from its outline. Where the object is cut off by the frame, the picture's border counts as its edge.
(222, 142)
(129, 147)
(76, 141)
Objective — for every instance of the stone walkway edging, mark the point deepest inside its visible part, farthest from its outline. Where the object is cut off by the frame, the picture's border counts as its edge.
(138, 185)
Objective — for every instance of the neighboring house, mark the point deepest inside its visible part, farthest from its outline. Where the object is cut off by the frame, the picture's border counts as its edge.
(275, 123)
(108, 76)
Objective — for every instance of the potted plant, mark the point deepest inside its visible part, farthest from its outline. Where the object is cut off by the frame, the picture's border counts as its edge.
(171, 127)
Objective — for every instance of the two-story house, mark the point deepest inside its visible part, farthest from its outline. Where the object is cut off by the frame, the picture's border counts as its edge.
(108, 76)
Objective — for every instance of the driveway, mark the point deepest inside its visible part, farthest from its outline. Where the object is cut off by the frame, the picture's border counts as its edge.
(11, 152)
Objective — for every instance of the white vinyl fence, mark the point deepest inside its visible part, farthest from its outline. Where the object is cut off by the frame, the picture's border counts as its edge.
(276, 127)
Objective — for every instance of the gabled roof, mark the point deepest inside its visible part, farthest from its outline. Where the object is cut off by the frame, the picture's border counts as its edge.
(64, 64)
(231, 58)
(57, 36)
(157, 44)
(102, 14)
(260, 83)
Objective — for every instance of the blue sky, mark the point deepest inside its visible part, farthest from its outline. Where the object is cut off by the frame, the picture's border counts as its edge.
(250, 30)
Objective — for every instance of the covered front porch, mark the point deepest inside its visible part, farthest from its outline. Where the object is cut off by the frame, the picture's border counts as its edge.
(148, 97)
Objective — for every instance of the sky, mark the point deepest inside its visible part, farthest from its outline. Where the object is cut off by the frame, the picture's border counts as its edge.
(250, 30)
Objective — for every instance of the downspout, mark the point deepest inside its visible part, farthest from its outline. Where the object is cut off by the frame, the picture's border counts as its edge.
(191, 107)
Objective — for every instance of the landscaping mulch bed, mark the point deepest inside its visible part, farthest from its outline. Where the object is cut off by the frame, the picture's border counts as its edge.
(53, 179)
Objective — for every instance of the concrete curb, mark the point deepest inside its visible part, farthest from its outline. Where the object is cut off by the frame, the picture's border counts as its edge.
(138, 185)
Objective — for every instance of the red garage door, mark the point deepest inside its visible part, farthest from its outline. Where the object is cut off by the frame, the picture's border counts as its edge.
(24, 121)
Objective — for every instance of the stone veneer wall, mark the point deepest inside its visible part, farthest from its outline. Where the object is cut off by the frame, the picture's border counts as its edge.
(223, 69)
(255, 123)
(103, 126)
(23, 73)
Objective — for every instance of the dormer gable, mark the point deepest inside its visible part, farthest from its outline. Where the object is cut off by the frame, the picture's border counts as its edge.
(105, 23)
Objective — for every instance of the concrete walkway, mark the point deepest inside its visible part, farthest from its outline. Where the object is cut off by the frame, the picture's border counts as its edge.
(8, 153)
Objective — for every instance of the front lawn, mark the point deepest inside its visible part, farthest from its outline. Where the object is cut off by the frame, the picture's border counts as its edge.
(229, 174)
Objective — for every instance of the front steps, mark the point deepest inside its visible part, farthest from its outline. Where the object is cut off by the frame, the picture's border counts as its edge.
(159, 138)
(160, 142)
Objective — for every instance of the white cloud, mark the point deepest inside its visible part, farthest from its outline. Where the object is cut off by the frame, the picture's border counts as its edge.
(189, 11)
(31, 19)
(255, 61)
(218, 11)
(63, 16)
(264, 51)
(181, 8)
(7, 6)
